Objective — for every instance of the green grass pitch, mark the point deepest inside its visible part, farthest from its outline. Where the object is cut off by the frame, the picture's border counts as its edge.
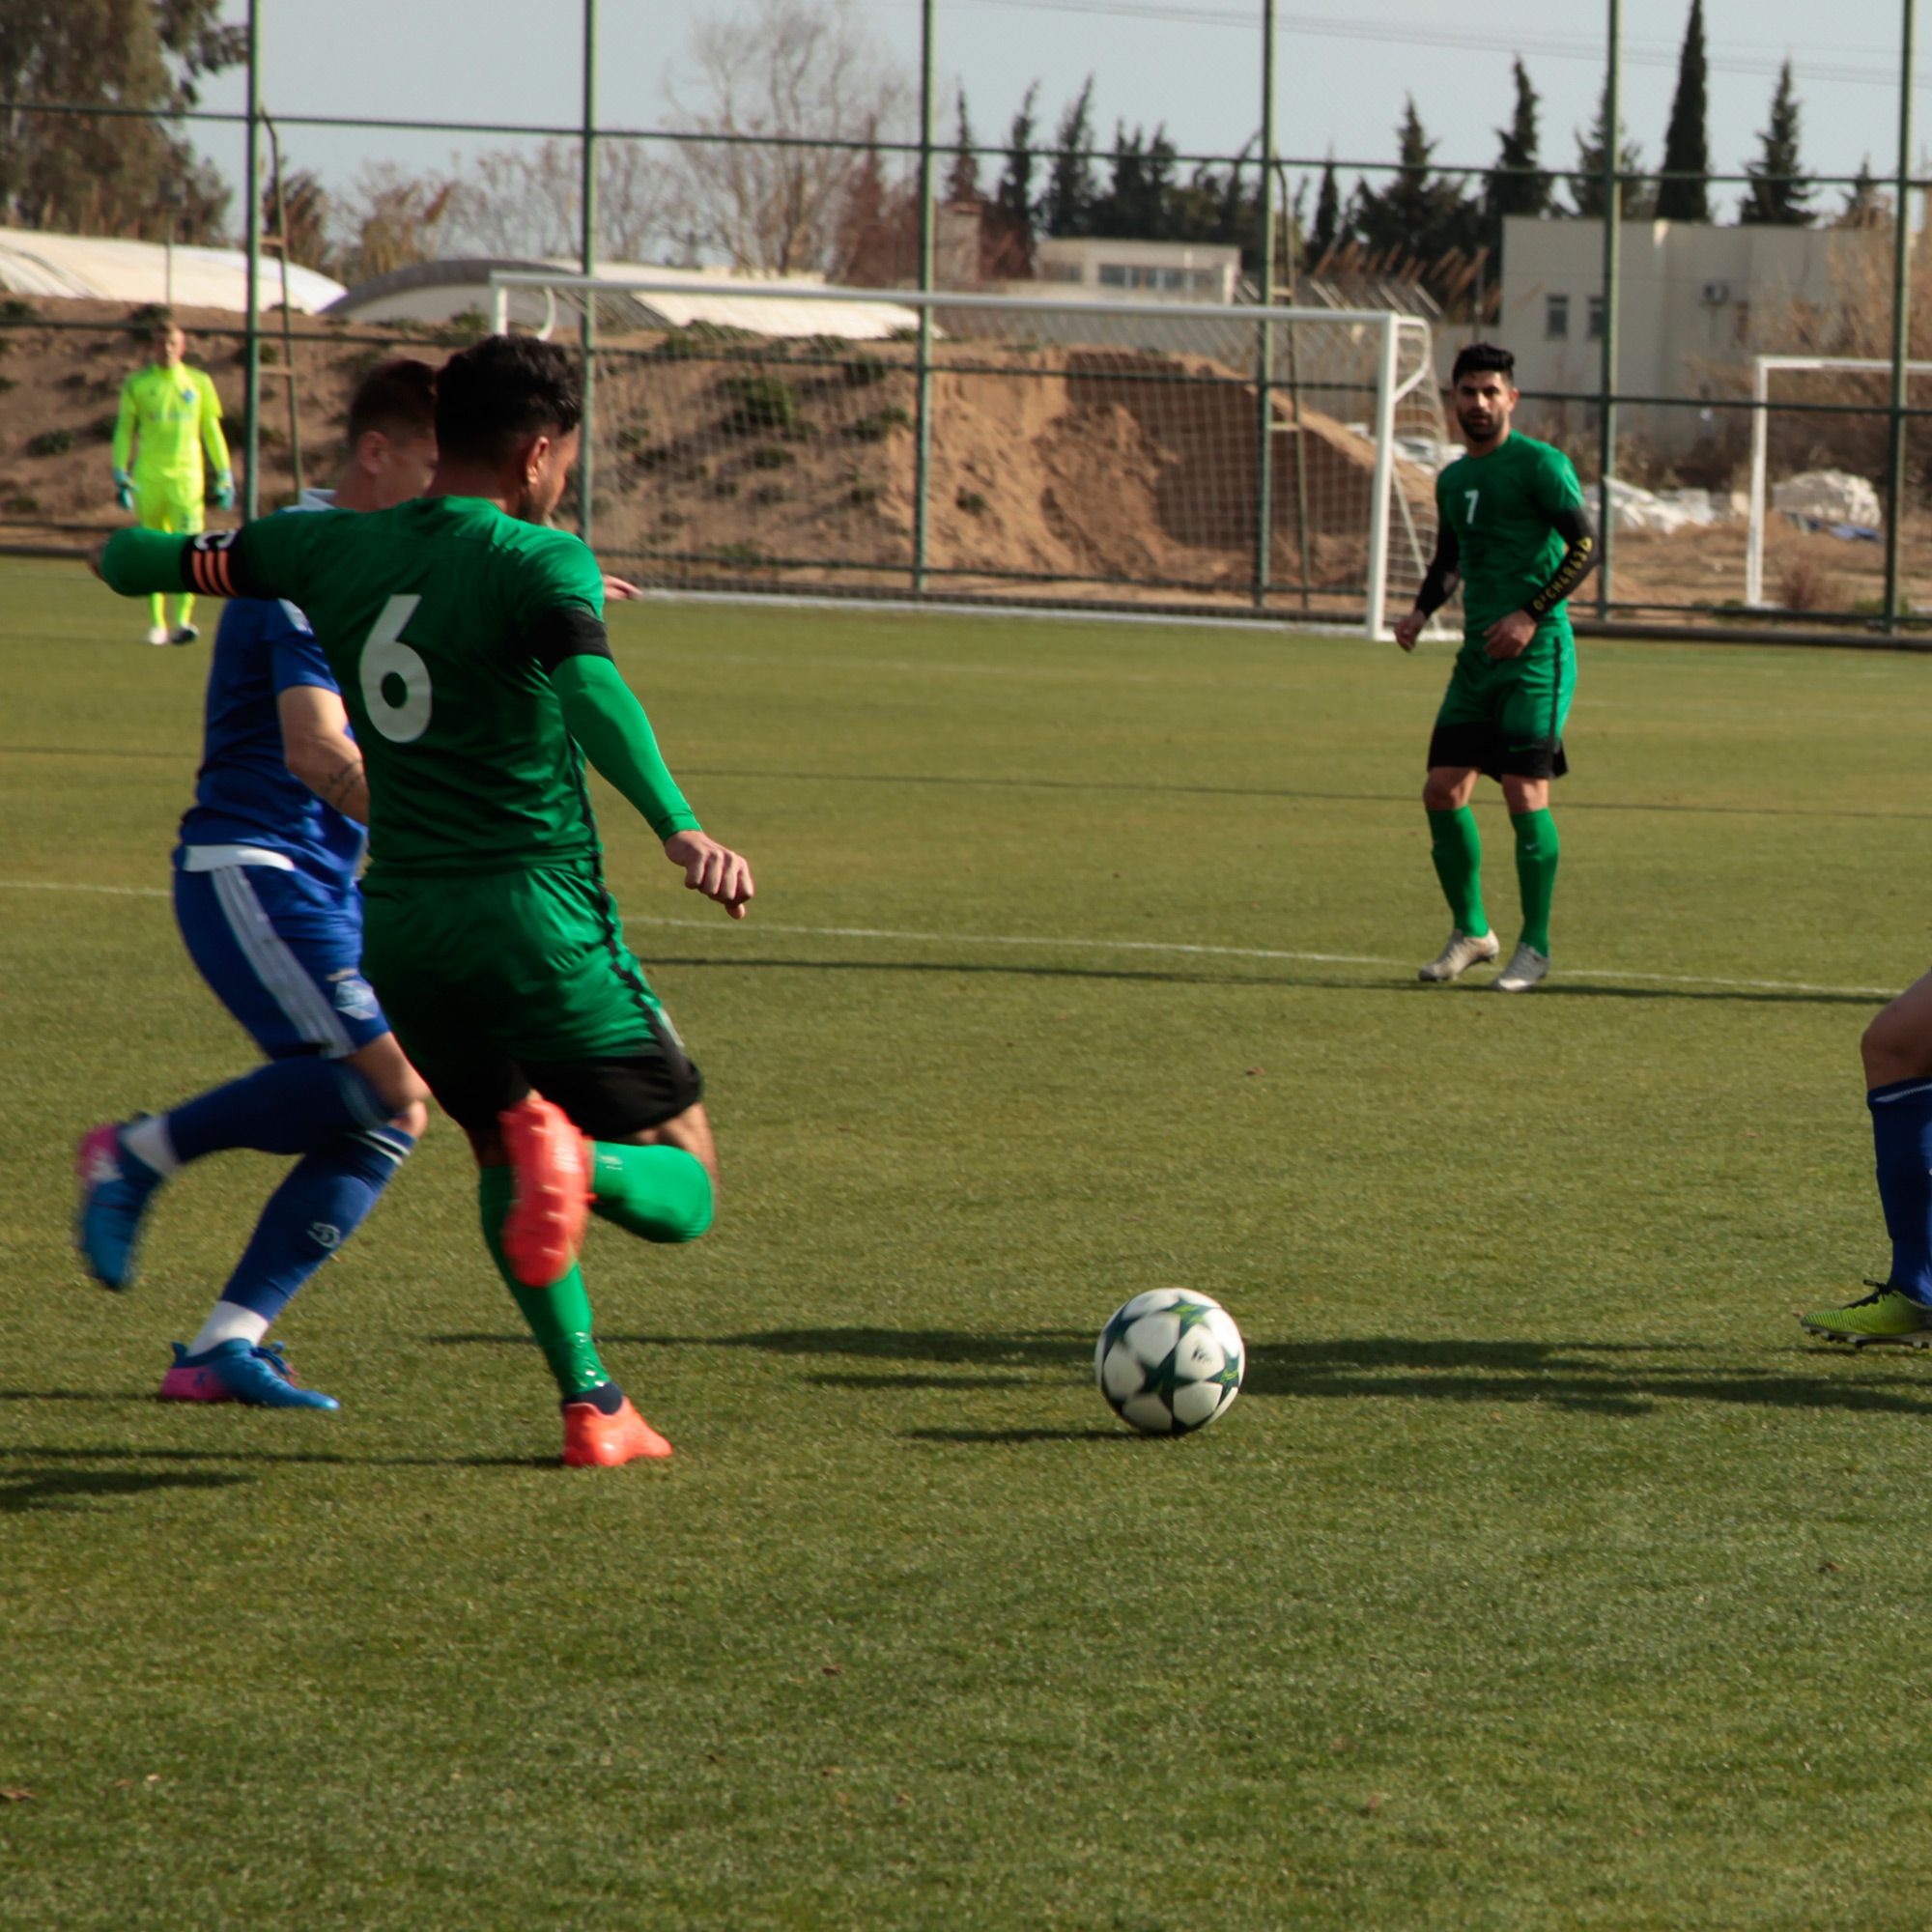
(1541, 1576)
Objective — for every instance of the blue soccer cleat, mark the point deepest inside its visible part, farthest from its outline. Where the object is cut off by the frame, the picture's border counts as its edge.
(114, 1190)
(234, 1372)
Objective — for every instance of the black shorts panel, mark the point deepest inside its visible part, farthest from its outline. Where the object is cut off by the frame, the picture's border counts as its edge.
(1483, 748)
(610, 1099)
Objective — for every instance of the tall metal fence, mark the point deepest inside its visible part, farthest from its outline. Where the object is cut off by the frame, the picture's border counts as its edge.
(1781, 499)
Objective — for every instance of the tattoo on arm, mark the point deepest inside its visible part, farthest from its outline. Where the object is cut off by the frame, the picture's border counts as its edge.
(347, 789)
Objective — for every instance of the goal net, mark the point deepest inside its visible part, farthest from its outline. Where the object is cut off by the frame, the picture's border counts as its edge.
(1820, 431)
(800, 440)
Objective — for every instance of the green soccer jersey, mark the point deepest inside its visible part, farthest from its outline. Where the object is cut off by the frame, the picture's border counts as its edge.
(167, 419)
(425, 613)
(1501, 508)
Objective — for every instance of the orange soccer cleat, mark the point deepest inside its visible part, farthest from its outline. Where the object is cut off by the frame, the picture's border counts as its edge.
(594, 1440)
(551, 1163)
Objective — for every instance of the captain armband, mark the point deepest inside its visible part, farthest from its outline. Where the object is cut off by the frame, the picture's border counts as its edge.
(210, 565)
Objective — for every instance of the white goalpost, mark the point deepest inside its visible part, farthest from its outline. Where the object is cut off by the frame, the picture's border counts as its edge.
(788, 437)
(1763, 369)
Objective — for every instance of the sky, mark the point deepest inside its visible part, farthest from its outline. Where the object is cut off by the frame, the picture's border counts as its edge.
(1342, 74)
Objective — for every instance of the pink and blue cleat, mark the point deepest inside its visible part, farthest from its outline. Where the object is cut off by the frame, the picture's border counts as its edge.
(235, 1372)
(114, 1190)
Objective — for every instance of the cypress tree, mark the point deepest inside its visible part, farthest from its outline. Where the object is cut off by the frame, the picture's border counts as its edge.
(1413, 214)
(1326, 234)
(1864, 206)
(1686, 144)
(1012, 251)
(962, 179)
(1068, 206)
(1515, 185)
(1586, 185)
(1770, 200)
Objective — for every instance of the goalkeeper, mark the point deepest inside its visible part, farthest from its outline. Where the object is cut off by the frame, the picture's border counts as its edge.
(169, 415)
(1513, 529)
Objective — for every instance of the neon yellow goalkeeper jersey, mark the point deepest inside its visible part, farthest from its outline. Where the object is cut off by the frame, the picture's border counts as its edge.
(168, 417)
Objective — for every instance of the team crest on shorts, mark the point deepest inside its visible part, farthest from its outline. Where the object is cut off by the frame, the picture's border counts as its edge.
(355, 998)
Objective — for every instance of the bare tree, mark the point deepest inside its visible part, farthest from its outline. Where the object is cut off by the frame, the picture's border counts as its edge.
(392, 219)
(804, 69)
(517, 201)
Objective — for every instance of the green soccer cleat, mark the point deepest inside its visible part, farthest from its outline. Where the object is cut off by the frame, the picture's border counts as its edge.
(1886, 1315)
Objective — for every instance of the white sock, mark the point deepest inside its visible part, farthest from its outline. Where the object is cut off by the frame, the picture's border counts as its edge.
(229, 1321)
(147, 1140)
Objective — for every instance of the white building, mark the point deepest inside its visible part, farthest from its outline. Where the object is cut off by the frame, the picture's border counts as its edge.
(1697, 303)
(1091, 268)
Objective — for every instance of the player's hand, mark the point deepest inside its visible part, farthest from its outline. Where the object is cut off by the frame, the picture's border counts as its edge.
(712, 870)
(1508, 637)
(224, 491)
(124, 490)
(1407, 628)
(620, 589)
(94, 558)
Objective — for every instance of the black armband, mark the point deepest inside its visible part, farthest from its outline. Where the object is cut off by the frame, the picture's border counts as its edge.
(1579, 560)
(565, 631)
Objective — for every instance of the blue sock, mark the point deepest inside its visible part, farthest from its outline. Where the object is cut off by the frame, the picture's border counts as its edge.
(325, 1197)
(1902, 1140)
(289, 1106)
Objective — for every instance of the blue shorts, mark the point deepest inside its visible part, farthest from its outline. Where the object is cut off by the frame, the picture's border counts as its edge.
(283, 952)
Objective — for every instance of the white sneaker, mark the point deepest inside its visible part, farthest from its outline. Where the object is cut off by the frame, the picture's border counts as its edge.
(1460, 954)
(158, 633)
(1525, 967)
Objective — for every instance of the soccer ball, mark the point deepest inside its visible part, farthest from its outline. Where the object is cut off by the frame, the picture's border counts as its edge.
(1170, 1361)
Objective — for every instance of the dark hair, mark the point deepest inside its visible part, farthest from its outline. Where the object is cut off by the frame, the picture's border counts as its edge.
(397, 397)
(1482, 358)
(501, 391)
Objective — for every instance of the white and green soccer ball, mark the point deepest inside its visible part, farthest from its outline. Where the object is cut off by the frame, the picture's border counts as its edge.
(1170, 1361)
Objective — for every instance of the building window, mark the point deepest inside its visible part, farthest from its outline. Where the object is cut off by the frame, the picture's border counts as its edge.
(1113, 275)
(1593, 319)
(1556, 318)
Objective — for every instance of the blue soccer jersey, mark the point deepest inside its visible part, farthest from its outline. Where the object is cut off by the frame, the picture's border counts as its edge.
(244, 796)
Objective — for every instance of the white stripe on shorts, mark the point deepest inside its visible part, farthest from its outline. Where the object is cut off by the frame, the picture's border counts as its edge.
(281, 974)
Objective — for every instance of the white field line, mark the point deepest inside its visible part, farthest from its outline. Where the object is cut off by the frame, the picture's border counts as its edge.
(1050, 943)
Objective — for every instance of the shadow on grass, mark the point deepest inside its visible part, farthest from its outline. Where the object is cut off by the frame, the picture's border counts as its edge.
(244, 1452)
(70, 1488)
(1401, 981)
(1402, 799)
(122, 1397)
(1620, 1379)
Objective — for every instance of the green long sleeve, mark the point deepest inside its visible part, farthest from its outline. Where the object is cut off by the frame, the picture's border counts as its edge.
(604, 715)
(137, 562)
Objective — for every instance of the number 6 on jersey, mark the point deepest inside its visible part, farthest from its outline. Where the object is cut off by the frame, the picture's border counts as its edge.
(395, 680)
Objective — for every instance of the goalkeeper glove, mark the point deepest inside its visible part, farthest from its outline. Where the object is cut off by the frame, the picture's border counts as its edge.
(124, 490)
(224, 492)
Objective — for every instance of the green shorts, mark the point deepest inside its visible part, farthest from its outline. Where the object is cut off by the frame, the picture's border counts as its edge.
(499, 982)
(1505, 715)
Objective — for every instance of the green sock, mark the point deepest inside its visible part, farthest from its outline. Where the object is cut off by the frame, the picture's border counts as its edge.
(1457, 847)
(659, 1192)
(559, 1314)
(1536, 852)
(157, 610)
